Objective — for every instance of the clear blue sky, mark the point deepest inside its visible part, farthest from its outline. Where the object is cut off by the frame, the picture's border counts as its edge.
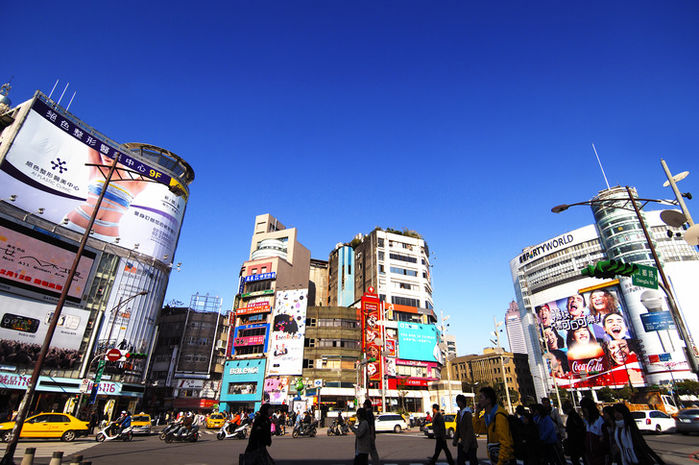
(465, 121)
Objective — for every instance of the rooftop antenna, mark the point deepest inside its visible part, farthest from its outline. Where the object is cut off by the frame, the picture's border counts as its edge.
(71, 100)
(600, 166)
(62, 94)
(54, 88)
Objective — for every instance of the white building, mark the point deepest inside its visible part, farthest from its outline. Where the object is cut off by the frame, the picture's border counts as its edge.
(515, 333)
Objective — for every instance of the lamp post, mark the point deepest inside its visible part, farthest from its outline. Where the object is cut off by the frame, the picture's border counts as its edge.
(496, 333)
(665, 284)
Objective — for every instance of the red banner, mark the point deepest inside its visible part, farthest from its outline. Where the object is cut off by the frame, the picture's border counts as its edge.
(371, 332)
(249, 341)
(255, 307)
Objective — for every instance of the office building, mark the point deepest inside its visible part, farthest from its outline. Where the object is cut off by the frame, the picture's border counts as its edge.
(515, 333)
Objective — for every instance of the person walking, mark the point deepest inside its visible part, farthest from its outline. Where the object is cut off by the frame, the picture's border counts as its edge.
(633, 448)
(362, 438)
(595, 446)
(574, 444)
(547, 435)
(464, 437)
(608, 429)
(491, 419)
(372, 429)
(260, 438)
(440, 436)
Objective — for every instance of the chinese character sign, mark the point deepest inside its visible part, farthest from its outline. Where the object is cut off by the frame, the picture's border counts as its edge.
(371, 334)
(588, 340)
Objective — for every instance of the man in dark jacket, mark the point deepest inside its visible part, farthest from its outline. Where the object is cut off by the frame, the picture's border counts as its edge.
(372, 429)
(464, 437)
(440, 436)
(261, 432)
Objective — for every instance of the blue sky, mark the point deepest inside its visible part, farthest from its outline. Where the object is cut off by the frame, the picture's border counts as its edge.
(465, 121)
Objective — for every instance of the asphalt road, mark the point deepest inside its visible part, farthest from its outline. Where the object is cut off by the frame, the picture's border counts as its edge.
(401, 449)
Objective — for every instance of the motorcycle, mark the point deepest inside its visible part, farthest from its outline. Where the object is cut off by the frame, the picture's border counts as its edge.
(305, 429)
(238, 432)
(103, 435)
(169, 429)
(176, 436)
(337, 429)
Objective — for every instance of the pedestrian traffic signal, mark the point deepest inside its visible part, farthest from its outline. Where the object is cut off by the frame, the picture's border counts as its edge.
(608, 269)
(134, 355)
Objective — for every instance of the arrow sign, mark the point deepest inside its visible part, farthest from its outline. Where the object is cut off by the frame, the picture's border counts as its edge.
(113, 355)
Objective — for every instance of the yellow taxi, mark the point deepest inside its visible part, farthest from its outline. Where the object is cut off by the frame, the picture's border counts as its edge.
(215, 420)
(47, 425)
(449, 425)
(141, 423)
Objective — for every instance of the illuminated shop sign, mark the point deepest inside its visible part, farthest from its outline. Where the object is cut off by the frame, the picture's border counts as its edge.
(257, 293)
(249, 341)
(260, 277)
(255, 307)
(244, 371)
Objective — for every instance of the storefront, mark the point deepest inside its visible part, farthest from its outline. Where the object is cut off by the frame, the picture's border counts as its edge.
(242, 384)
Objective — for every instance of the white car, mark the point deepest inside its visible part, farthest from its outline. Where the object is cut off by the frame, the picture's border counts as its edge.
(653, 420)
(390, 422)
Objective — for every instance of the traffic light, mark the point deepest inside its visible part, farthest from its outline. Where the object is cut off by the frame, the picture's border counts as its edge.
(134, 355)
(608, 269)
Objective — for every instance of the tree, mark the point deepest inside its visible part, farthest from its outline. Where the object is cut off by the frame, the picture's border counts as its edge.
(624, 393)
(605, 394)
(687, 387)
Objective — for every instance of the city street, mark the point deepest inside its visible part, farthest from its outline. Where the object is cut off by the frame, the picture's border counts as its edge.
(405, 448)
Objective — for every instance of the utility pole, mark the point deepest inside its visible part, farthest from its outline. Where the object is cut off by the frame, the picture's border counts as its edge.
(496, 333)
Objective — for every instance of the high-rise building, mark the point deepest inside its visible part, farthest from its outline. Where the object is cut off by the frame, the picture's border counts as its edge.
(53, 167)
(629, 332)
(515, 333)
(450, 341)
(341, 276)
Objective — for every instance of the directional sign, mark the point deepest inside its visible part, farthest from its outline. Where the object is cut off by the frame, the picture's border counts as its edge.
(647, 276)
(113, 355)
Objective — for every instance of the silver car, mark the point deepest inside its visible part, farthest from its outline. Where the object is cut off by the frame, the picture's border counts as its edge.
(687, 421)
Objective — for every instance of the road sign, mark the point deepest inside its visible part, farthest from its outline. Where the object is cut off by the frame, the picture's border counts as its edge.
(113, 355)
(657, 321)
(647, 276)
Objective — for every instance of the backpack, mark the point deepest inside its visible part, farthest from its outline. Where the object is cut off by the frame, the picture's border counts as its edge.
(518, 434)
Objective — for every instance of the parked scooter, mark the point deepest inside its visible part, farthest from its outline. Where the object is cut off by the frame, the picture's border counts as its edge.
(338, 429)
(228, 430)
(177, 436)
(125, 435)
(173, 426)
(305, 429)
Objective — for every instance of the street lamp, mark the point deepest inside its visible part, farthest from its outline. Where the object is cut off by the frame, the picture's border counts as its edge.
(665, 285)
(496, 334)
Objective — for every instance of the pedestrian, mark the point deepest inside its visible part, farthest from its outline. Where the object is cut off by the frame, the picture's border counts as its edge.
(633, 448)
(362, 438)
(574, 443)
(491, 419)
(548, 436)
(464, 437)
(440, 436)
(596, 448)
(372, 429)
(608, 435)
(531, 445)
(260, 438)
(558, 423)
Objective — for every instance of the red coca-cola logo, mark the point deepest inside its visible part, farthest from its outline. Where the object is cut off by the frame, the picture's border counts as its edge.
(587, 365)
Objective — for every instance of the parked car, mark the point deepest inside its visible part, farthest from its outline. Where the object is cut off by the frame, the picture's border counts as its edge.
(47, 425)
(687, 421)
(390, 422)
(141, 424)
(215, 420)
(653, 420)
(449, 425)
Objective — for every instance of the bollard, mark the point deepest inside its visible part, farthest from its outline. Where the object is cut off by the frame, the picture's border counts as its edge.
(76, 460)
(28, 458)
(56, 458)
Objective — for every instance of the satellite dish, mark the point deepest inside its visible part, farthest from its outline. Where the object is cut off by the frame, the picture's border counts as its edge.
(692, 235)
(673, 218)
(677, 178)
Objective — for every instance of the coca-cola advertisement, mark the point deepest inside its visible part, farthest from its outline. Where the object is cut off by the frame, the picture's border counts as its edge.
(587, 340)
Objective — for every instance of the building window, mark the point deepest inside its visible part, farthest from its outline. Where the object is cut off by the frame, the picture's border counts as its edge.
(242, 388)
(405, 301)
(382, 270)
(252, 332)
(311, 322)
(249, 350)
(405, 258)
(380, 242)
(309, 342)
(403, 271)
(307, 363)
(404, 286)
(263, 269)
(381, 255)
(256, 286)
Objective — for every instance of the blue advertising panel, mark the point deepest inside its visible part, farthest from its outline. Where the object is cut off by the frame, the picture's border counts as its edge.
(657, 321)
(417, 341)
(243, 381)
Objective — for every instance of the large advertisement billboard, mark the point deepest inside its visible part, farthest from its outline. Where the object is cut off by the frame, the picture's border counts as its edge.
(417, 341)
(39, 263)
(588, 341)
(23, 326)
(288, 332)
(52, 164)
(372, 334)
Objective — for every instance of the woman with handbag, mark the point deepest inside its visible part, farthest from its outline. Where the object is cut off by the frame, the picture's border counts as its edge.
(260, 438)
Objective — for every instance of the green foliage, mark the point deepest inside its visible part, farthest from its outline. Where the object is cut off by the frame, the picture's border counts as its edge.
(355, 242)
(606, 394)
(687, 387)
(624, 393)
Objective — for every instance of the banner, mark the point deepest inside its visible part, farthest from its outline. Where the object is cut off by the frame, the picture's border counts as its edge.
(23, 326)
(588, 341)
(371, 334)
(47, 167)
(288, 331)
(37, 262)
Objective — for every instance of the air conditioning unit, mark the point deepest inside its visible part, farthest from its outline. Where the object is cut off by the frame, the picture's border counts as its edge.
(220, 345)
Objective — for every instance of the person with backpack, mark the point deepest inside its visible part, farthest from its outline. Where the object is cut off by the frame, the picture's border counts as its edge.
(491, 419)
(574, 443)
(464, 437)
(596, 448)
(547, 435)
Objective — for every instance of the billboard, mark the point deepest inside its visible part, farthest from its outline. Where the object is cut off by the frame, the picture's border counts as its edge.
(51, 165)
(588, 340)
(418, 341)
(276, 390)
(36, 262)
(288, 331)
(23, 326)
(371, 333)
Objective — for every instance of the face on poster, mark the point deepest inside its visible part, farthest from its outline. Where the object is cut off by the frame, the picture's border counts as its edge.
(48, 167)
(288, 331)
(276, 390)
(588, 340)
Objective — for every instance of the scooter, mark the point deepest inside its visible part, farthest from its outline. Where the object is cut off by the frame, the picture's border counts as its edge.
(238, 432)
(305, 430)
(337, 429)
(169, 429)
(191, 436)
(124, 435)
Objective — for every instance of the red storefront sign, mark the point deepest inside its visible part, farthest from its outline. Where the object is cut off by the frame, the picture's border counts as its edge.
(372, 332)
(249, 341)
(193, 403)
(398, 383)
(255, 307)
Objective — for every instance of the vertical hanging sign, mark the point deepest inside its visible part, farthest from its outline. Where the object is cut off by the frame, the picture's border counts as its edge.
(371, 319)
